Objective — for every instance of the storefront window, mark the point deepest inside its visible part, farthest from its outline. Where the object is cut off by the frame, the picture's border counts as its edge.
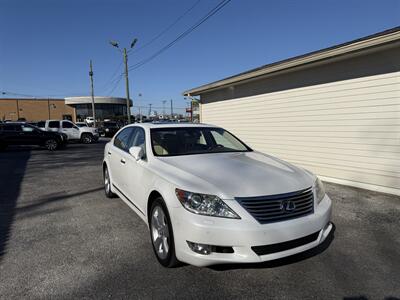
(103, 111)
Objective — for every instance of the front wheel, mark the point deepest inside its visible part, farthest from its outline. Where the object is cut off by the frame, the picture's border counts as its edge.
(51, 144)
(87, 138)
(107, 184)
(161, 233)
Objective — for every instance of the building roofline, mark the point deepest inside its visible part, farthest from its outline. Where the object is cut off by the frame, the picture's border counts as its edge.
(34, 99)
(376, 39)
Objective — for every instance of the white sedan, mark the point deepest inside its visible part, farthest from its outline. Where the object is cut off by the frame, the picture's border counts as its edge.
(208, 198)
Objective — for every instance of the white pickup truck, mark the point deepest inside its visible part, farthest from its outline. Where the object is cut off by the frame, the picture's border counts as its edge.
(86, 135)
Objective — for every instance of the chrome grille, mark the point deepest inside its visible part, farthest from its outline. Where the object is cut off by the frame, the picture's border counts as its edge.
(280, 207)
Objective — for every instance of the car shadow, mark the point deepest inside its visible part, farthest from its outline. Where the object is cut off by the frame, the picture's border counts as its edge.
(12, 170)
(282, 261)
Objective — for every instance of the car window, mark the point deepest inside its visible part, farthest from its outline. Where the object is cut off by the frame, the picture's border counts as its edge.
(225, 139)
(41, 124)
(54, 124)
(194, 140)
(26, 128)
(9, 127)
(138, 139)
(122, 140)
(66, 124)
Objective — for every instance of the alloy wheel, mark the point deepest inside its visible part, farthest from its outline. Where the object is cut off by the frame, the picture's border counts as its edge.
(51, 145)
(107, 184)
(87, 139)
(160, 232)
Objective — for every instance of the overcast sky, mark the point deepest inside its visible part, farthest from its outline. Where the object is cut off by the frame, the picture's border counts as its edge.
(45, 46)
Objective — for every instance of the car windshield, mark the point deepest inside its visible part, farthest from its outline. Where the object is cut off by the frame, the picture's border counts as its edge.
(110, 124)
(81, 125)
(194, 140)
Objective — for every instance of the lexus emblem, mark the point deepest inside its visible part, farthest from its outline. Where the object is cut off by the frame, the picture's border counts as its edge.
(288, 205)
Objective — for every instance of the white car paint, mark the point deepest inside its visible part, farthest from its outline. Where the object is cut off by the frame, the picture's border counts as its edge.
(67, 127)
(226, 175)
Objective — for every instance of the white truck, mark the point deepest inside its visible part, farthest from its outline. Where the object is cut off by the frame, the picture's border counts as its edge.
(86, 135)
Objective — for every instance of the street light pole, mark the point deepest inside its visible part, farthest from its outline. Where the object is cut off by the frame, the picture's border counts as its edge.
(92, 93)
(128, 106)
(125, 53)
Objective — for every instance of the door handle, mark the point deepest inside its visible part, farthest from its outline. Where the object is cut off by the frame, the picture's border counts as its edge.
(122, 161)
(109, 153)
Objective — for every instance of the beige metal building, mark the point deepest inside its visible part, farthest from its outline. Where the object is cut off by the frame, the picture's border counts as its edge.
(72, 108)
(335, 111)
(35, 109)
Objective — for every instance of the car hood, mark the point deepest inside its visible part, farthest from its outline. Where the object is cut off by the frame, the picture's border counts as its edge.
(235, 174)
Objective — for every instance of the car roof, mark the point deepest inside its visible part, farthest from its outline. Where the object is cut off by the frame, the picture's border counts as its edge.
(14, 123)
(172, 125)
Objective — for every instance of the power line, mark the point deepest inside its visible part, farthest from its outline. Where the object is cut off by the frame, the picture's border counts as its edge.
(116, 84)
(2, 93)
(158, 107)
(168, 28)
(182, 35)
(112, 78)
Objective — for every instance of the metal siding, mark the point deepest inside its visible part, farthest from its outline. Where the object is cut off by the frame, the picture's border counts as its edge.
(349, 130)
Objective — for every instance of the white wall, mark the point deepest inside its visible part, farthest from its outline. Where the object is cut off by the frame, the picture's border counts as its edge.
(346, 131)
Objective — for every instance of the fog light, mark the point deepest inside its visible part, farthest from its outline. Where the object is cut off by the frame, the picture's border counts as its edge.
(200, 248)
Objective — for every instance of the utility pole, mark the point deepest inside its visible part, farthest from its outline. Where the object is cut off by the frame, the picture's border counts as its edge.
(172, 110)
(149, 110)
(191, 111)
(163, 107)
(140, 107)
(92, 93)
(128, 106)
(125, 53)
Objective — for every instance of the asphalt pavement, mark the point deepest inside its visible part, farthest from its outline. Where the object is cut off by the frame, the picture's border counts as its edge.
(61, 238)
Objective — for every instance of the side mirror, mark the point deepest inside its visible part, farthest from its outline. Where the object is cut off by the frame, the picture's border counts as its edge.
(136, 152)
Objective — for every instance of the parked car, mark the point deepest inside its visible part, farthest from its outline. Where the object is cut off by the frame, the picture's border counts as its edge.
(15, 133)
(89, 121)
(208, 198)
(108, 128)
(81, 124)
(86, 135)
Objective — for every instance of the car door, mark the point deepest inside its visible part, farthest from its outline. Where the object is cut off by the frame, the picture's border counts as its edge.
(29, 135)
(70, 130)
(134, 185)
(10, 134)
(117, 154)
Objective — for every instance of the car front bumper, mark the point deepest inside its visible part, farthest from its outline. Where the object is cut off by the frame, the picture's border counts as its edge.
(245, 233)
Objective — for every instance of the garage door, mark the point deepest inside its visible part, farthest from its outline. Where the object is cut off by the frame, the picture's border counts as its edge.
(347, 131)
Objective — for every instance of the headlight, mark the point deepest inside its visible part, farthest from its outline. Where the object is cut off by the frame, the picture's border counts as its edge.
(203, 204)
(319, 190)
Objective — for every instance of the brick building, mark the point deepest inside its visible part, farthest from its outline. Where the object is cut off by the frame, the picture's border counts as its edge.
(71, 108)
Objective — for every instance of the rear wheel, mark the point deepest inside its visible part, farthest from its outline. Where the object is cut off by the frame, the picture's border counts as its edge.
(87, 138)
(161, 233)
(51, 144)
(107, 184)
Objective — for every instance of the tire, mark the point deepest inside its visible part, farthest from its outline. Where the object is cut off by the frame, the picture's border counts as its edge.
(51, 144)
(161, 234)
(107, 184)
(86, 138)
